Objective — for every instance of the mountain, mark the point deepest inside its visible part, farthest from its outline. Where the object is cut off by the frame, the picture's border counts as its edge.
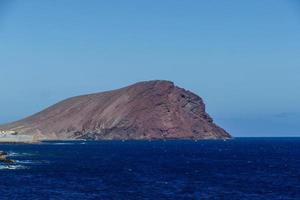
(145, 110)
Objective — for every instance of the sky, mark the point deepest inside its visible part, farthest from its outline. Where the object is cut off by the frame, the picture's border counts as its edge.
(241, 57)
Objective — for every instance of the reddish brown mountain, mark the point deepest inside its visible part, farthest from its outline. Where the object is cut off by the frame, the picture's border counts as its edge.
(145, 110)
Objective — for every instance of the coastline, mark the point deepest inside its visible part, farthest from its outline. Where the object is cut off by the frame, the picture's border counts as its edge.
(7, 138)
(109, 140)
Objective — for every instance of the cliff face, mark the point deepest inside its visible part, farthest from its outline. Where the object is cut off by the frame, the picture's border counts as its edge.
(145, 110)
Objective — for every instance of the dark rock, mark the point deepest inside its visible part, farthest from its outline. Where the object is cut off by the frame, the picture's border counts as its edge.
(3, 158)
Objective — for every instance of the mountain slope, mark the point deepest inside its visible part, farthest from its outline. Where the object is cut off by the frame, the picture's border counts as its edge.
(145, 110)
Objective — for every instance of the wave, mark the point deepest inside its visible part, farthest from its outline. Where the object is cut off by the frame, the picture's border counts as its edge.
(64, 143)
(12, 167)
(25, 161)
(15, 154)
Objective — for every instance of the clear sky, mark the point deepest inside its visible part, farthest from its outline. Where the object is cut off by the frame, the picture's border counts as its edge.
(242, 57)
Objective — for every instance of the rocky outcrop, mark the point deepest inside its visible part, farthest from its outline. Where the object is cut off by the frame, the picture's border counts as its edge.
(4, 159)
(145, 110)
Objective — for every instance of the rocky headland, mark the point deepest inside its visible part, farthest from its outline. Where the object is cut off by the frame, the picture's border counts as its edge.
(144, 111)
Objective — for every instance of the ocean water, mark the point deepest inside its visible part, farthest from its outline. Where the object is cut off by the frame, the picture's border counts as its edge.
(242, 168)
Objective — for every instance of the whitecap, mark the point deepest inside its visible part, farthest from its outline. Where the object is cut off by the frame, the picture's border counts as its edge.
(12, 167)
(24, 161)
(15, 154)
(61, 143)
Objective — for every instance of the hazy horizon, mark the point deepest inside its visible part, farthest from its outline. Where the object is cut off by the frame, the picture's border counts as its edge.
(242, 58)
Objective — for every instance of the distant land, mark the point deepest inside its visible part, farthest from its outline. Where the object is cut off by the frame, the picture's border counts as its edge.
(149, 110)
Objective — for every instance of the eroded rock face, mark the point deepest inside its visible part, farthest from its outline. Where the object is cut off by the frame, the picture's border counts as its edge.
(145, 110)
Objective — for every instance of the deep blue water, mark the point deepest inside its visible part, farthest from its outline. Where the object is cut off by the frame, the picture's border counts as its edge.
(243, 168)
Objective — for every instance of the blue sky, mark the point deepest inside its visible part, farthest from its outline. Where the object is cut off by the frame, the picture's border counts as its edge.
(242, 57)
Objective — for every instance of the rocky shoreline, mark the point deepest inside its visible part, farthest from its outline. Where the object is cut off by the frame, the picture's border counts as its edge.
(15, 138)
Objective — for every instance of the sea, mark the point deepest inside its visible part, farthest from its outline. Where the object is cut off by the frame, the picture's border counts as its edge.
(241, 169)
